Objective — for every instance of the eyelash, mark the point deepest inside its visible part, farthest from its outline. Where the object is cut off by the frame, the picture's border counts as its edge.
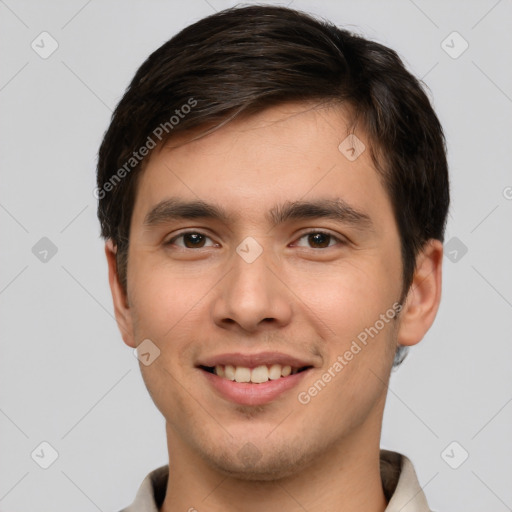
(313, 232)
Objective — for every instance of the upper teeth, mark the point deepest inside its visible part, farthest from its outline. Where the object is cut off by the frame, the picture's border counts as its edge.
(256, 375)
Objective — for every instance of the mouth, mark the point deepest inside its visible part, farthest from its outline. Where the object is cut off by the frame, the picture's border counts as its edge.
(253, 379)
(257, 375)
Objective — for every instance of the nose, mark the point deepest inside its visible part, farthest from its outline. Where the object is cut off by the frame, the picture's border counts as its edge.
(252, 296)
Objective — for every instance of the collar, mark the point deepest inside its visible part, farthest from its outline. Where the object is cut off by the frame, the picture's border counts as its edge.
(399, 480)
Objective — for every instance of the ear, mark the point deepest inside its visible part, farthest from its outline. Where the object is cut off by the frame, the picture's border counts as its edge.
(121, 307)
(424, 296)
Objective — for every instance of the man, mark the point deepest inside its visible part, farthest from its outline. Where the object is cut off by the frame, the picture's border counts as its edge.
(273, 193)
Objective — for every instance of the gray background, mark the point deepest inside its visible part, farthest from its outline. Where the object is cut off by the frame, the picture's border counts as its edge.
(66, 376)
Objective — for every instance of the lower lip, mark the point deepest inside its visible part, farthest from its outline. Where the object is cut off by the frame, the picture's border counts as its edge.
(245, 393)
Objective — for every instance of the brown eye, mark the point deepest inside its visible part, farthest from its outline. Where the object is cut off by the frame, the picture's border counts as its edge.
(320, 239)
(191, 240)
(194, 239)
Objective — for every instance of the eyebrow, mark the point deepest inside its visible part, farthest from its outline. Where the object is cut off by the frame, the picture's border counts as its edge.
(334, 209)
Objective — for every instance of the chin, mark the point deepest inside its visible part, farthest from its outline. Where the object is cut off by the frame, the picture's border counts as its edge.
(257, 473)
(251, 465)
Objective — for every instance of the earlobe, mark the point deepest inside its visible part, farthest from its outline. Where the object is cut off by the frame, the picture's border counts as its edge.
(422, 303)
(121, 307)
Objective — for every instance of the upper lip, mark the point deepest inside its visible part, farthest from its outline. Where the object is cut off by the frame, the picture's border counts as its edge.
(253, 360)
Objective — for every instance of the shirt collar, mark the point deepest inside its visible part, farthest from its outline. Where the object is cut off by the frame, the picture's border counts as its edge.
(399, 481)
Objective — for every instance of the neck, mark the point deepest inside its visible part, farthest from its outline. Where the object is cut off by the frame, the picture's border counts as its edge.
(346, 477)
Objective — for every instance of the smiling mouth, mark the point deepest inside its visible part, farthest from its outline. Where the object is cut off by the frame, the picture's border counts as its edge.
(258, 375)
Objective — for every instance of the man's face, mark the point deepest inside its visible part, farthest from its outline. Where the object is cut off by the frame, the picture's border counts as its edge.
(255, 290)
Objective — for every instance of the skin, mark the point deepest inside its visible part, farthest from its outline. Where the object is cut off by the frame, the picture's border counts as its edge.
(298, 298)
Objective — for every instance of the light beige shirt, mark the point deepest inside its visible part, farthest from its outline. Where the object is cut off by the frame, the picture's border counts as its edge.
(399, 481)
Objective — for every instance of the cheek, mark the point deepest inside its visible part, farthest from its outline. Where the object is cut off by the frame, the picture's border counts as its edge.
(167, 310)
(354, 379)
(355, 302)
(164, 300)
(164, 384)
(348, 297)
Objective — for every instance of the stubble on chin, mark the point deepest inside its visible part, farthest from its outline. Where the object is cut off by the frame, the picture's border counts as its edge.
(254, 463)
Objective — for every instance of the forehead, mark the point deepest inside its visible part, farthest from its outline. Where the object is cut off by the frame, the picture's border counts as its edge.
(253, 164)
